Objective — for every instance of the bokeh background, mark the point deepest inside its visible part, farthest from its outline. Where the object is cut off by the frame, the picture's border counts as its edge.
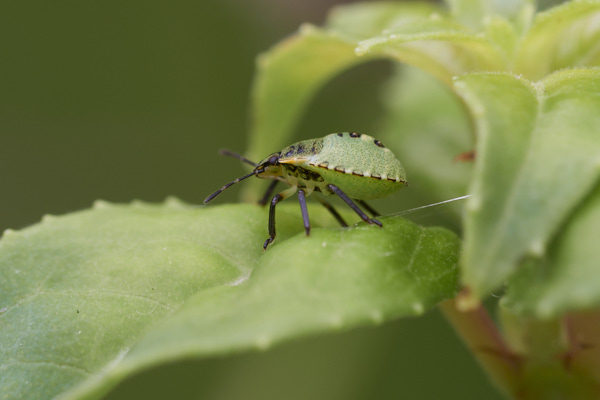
(123, 100)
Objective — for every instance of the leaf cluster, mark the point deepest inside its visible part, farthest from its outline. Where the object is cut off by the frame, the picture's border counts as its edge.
(91, 298)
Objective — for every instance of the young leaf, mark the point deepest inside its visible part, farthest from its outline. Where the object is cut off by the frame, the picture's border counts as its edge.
(534, 165)
(567, 280)
(291, 72)
(437, 45)
(359, 21)
(474, 13)
(90, 298)
(427, 126)
(563, 37)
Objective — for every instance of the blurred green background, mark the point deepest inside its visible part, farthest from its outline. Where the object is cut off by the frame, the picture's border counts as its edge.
(130, 100)
(126, 100)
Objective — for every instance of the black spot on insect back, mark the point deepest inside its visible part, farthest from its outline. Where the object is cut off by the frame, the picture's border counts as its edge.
(291, 151)
(378, 143)
(354, 135)
(301, 150)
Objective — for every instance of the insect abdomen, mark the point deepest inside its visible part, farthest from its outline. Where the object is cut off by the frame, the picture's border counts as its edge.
(359, 165)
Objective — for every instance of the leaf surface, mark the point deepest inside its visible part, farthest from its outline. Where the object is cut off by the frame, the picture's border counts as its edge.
(567, 279)
(538, 156)
(428, 127)
(566, 36)
(90, 298)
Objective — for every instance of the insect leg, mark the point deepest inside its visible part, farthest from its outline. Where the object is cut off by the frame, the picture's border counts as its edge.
(368, 208)
(302, 200)
(353, 206)
(333, 212)
(276, 199)
(268, 193)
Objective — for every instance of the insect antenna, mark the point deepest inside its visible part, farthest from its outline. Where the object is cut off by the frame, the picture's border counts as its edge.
(218, 192)
(229, 153)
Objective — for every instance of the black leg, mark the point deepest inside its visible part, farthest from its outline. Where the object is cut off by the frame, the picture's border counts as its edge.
(368, 208)
(276, 199)
(268, 193)
(333, 212)
(353, 206)
(302, 200)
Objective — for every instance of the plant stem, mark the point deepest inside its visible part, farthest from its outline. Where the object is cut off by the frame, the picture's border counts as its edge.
(541, 359)
(481, 336)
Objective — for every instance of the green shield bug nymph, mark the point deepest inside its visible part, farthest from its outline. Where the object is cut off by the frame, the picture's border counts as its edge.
(350, 165)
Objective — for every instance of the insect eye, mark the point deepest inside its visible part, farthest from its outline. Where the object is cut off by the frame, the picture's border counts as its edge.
(274, 159)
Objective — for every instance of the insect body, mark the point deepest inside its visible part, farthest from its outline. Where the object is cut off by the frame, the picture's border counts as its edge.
(349, 165)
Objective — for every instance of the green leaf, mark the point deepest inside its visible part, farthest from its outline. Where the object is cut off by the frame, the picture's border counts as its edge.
(567, 279)
(538, 155)
(361, 21)
(437, 45)
(562, 37)
(291, 72)
(473, 13)
(503, 35)
(90, 298)
(427, 126)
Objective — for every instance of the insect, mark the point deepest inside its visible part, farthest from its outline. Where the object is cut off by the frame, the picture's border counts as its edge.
(349, 165)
